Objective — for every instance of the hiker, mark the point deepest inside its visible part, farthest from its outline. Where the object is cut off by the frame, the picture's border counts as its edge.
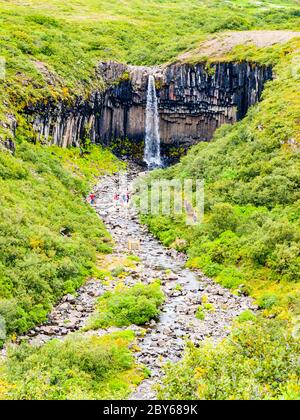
(92, 199)
(127, 197)
(117, 201)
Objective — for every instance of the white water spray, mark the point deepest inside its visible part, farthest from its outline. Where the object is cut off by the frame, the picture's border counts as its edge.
(152, 139)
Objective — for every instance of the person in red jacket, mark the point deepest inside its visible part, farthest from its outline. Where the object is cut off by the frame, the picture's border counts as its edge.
(92, 199)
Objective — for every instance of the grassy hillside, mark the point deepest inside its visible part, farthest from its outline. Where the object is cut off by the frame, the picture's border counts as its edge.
(259, 361)
(78, 368)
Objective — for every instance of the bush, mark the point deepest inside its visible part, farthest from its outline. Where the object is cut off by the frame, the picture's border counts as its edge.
(230, 277)
(129, 305)
(118, 271)
(246, 316)
(267, 300)
(223, 218)
(285, 260)
(76, 368)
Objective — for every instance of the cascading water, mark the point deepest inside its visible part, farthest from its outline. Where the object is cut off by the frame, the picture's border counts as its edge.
(152, 139)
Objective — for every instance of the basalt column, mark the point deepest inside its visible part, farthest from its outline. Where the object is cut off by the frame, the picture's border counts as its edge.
(193, 100)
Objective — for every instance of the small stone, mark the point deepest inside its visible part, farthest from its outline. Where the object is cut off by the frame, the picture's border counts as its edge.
(48, 330)
(70, 298)
(64, 306)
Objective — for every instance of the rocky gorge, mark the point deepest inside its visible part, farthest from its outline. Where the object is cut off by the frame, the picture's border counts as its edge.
(163, 339)
(193, 101)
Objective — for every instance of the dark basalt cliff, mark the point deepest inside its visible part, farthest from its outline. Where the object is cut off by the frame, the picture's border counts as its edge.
(194, 100)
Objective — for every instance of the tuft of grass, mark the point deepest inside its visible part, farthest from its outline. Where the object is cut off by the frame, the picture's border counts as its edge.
(52, 49)
(200, 314)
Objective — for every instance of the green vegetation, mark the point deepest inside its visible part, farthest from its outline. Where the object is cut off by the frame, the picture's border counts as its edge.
(128, 305)
(74, 369)
(50, 240)
(204, 307)
(249, 239)
(49, 237)
(118, 271)
(200, 314)
(257, 362)
(52, 48)
(246, 316)
(127, 147)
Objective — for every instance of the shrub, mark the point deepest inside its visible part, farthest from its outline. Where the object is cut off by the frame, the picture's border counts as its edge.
(267, 300)
(230, 277)
(129, 305)
(76, 368)
(285, 260)
(246, 316)
(200, 314)
(223, 218)
(118, 271)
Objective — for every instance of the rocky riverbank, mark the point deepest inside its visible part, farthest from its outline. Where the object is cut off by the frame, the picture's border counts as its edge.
(185, 290)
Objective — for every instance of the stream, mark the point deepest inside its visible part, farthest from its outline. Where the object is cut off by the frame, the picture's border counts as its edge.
(184, 290)
(165, 339)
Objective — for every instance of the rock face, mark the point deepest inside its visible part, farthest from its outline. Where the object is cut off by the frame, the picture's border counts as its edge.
(194, 100)
(65, 125)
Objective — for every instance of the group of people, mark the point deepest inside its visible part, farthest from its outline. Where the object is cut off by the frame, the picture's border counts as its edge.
(118, 198)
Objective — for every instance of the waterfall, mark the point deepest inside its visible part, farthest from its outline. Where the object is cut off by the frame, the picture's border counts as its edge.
(152, 139)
